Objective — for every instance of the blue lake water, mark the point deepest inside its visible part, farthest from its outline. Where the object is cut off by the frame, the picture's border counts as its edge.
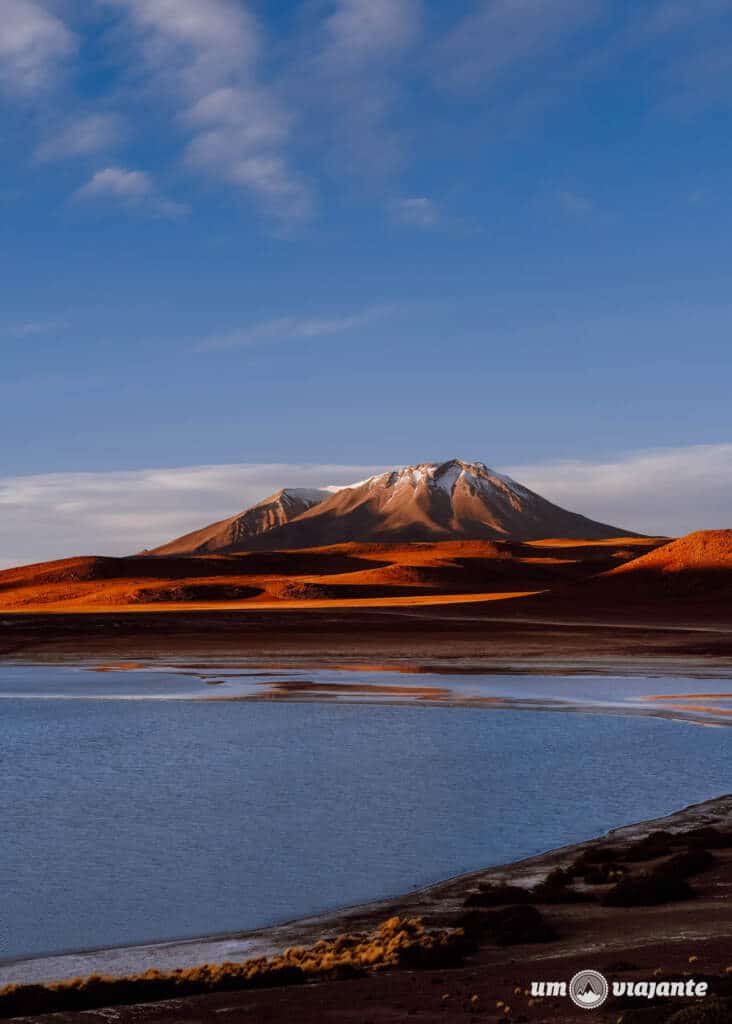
(127, 820)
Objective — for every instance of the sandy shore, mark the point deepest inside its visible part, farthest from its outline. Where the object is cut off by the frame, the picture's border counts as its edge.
(632, 942)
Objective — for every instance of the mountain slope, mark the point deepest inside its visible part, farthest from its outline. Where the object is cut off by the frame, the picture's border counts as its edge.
(428, 502)
(233, 533)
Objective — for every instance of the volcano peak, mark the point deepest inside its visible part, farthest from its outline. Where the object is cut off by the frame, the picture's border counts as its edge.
(427, 501)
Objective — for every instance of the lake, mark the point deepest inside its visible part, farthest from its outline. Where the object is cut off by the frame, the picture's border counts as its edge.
(134, 809)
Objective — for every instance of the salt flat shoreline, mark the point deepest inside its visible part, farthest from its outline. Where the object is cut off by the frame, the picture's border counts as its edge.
(438, 904)
(416, 640)
(235, 679)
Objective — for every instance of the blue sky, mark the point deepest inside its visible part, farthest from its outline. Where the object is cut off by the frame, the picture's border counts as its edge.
(362, 232)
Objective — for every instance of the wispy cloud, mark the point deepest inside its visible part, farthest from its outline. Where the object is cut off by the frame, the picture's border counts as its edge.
(33, 328)
(57, 515)
(34, 44)
(504, 36)
(351, 81)
(663, 19)
(668, 491)
(675, 15)
(117, 183)
(134, 189)
(288, 328)
(685, 51)
(83, 135)
(363, 33)
(701, 79)
(330, 96)
(416, 212)
(206, 53)
(37, 58)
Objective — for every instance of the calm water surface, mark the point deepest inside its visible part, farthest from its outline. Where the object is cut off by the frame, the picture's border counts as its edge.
(129, 820)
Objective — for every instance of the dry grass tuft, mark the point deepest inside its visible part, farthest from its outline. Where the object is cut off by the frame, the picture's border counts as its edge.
(396, 943)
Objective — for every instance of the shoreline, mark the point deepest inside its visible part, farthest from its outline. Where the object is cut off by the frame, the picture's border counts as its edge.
(422, 639)
(401, 686)
(437, 903)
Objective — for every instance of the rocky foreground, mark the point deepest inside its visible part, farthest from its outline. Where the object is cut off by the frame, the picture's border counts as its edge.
(651, 902)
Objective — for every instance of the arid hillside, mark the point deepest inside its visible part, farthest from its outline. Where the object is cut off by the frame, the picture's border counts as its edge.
(340, 575)
(688, 579)
(700, 552)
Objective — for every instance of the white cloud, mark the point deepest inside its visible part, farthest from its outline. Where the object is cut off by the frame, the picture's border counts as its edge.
(34, 46)
(367, 32)
(34, 43)
(133, 188)
(252, 112)
(671, 492)
(57, 515)
(267, 176)
(202, 40)
(416, 212)
(206, 53)
(662, 491)
(82, 136)
(290, 327)
(118, 183)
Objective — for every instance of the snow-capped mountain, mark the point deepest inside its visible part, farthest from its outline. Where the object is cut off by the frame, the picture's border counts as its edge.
(427, 502)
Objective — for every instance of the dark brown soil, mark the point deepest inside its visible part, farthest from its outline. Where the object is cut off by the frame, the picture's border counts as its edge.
(467, 638)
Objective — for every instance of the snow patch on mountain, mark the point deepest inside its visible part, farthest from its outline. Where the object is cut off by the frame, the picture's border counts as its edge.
(446, 478)
(443, 475)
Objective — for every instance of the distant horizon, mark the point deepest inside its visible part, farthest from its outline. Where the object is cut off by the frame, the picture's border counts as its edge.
(660, 492)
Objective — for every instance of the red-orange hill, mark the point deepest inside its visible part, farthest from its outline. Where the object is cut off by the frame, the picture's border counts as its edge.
(417, 573)
(689, 579)
(570, 577)
(700, 552)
